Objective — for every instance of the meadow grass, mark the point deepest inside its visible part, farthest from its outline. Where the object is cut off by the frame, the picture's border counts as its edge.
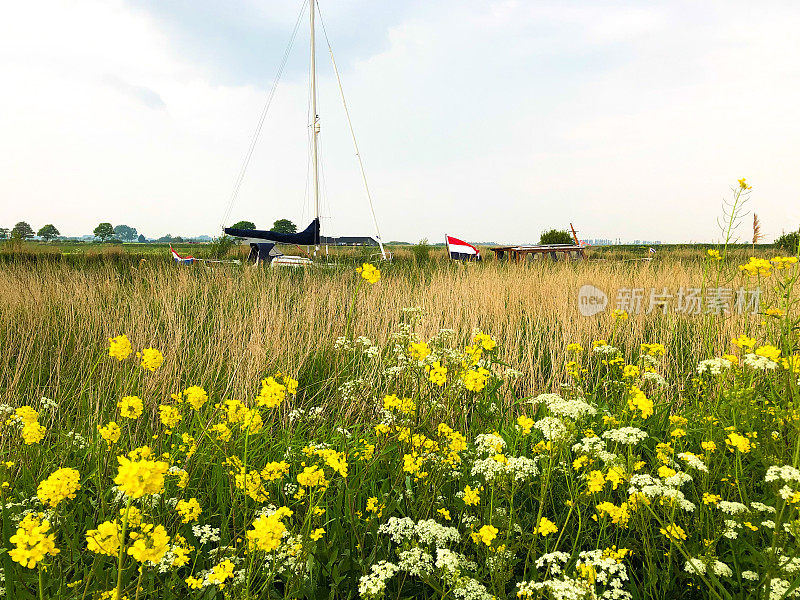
(382, 492)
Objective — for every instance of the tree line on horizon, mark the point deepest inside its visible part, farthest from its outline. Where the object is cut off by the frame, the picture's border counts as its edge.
(106, 232)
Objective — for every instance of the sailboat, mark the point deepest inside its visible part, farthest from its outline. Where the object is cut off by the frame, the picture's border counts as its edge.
(262, 243)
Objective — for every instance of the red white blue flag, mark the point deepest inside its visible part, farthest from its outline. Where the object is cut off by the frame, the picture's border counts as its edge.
(184, 260)
(461, 250)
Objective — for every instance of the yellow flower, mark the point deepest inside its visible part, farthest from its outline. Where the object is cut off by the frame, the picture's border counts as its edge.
(620, 515)
(139, 478)
(525, 424)
(119, 347)
(708, 446)
(419, 350)
(485, 534)
(32, 541)
(222, 431)
(272, 393)
(404, 405)
(188, 509)
(170, 415)
(267, 531)
(665, 472)
(151, 358)
(471, 497)
(678, 432)
(317, 533)
(631, 371)
(775, 312)
(486, 342)
(653, 349)
(61, 485)
(105, 539)
(475, 379)
(151, 545)
(221, 573)
(744, 342)
(757, 266)
(619, 315)
(638, 400)
(27, 415)
(235, 410)
(545, 527)
(615, 476)
(714, 254)
(33, 433)
(738, 442)
(673, 532)
(369, 272)
(596, 481)
(312, 476)
(110, 433)
(574, 348)
(711, 498)
(768, 351)
(580, 462)
(131, 407)
(743, 184)
(195, 396)
(783, 262)
(437, 373)
(445, 513)
(374, 507)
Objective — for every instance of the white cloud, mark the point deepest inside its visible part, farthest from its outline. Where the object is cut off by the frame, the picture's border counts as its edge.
(488, 120)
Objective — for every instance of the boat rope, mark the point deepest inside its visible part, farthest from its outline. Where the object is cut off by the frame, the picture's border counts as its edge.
(352, 133)
(237, 186)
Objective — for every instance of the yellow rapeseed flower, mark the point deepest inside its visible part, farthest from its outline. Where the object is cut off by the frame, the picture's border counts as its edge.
(142, 477)
(545, 527)
(110, 433)
(189, 509)
(105, 539)
(32, 541)
(437, 373)
(673, 532)
(738, 442)
(419, 350)
(638, 400)
(267, 531)
(151, 358)
(61, 485)
(485, 534)
(525, 424)
(131, 407)
(151, 544)
(119, 347)
(170, 415)
(714, 255)
(472, 497)
(369, 272)
(595, 481)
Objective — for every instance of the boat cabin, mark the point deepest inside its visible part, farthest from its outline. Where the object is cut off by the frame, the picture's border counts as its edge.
(551, 252)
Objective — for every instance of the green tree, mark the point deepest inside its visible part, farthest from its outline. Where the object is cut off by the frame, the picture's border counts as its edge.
(141, 239)
(243, 225)
(125, 233)
(104, 231)
(4, 231)
(48, 232)
(556, 236)
(788, 242)
(22, 231)
(284, 226)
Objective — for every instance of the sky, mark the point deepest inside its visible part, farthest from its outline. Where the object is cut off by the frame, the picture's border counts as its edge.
(489, 120)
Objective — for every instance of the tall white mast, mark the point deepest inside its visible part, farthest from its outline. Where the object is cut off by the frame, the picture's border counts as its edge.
(314, 116)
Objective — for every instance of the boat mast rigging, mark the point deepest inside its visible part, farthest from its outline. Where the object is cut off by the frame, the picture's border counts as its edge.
(314, 116)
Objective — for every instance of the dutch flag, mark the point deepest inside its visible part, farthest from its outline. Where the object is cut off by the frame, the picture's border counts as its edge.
(183, 260)
(461, 250)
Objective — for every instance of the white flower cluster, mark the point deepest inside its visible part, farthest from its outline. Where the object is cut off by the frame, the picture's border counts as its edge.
(594, 446)
(490, 443)
(693, 461)
(605, 349)
(49, 404)
(416, 562)
(760, 507)
(607, 573)
(654, 378)
(655, 488)
(732, 508)
(625, 435)
(519, 468)
(714, 366)
(759, 363)
(574, 409)
(427, 531)
(205, 533)
(374, 584)
(78, 440)
(784, 473)
(552, 429)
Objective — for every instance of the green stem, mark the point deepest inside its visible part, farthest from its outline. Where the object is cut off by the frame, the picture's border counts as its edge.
(121, 558)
